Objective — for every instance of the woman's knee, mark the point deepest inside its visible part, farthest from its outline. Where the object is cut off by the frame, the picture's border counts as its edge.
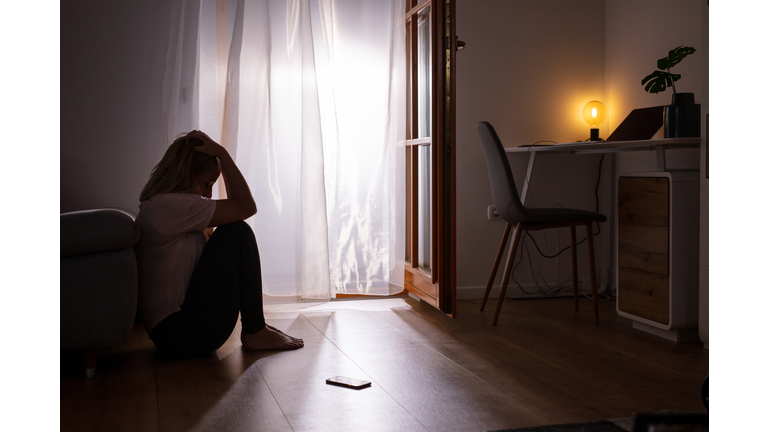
(233, 236)
(237, 229)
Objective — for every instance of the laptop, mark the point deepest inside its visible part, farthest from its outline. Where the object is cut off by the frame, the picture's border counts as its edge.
(640, 124)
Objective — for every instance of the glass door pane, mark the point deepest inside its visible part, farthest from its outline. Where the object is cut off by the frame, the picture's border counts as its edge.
(425, 207)
(424, 69)
(408, 204)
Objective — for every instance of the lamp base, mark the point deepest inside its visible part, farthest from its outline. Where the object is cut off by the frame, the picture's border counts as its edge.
(594, 135)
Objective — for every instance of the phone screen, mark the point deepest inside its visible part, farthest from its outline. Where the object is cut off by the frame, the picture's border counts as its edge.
(348, 382)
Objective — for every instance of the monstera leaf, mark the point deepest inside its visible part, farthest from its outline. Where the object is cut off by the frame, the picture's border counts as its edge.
(659, 80)
(675, 56)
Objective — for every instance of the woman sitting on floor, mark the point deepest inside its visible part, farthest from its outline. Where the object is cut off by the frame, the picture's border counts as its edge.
(192, 291)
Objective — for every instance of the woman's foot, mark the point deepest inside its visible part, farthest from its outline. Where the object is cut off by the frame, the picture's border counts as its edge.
(281, 332)
(269, 339)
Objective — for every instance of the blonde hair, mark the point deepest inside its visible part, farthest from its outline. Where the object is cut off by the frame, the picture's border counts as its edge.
(177, 170)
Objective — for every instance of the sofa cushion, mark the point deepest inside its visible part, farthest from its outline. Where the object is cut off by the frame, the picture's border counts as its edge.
(91, 231)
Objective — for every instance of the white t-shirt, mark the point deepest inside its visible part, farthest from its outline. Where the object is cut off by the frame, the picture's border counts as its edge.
(170, 243)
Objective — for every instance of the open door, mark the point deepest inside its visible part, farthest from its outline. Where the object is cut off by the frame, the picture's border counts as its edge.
(430, 269)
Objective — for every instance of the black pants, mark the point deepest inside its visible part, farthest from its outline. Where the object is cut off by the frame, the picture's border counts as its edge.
(226, 282)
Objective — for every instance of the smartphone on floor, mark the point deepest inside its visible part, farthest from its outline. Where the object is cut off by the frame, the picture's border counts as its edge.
(348, 382)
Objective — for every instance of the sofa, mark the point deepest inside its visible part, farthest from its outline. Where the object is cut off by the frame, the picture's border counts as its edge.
(99, 280)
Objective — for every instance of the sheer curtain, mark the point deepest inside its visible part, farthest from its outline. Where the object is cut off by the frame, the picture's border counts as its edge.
(308, 95)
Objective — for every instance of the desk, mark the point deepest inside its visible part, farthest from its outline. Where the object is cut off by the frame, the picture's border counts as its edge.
(590, 147)
(654, 280)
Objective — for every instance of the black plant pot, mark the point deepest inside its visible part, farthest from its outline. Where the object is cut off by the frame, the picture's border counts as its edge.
(682, 119)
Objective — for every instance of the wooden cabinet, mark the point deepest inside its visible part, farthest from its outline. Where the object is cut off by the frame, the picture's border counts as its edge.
(657, 245)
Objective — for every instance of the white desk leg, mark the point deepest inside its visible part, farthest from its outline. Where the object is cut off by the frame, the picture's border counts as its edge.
(528, 172)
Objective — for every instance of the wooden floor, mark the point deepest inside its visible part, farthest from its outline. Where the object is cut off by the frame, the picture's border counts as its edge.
(543, 364)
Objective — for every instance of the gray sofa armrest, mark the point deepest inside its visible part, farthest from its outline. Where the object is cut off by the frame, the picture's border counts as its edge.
(91, 231)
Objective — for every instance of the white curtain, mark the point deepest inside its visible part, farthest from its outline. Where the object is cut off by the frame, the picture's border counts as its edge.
(308, 95)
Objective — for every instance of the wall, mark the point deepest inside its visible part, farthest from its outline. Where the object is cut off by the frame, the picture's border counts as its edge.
(636, 36)
(112, 67)
(528, 69)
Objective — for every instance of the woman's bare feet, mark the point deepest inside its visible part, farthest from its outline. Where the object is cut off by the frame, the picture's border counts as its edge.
(281, 332)
(269, 339)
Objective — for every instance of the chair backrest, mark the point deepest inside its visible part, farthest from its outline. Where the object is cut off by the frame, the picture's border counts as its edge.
(503, 189)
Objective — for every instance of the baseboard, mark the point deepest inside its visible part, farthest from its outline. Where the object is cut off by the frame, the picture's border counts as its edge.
(397, 291)
(462, 293)
(527, 291)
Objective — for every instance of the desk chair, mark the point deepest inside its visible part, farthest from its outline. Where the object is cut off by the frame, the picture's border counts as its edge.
(507, 202)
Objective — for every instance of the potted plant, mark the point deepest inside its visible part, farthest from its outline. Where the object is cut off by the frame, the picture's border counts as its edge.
(682, 117)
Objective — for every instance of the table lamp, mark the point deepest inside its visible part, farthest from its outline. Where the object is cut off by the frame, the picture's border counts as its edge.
(594, 113)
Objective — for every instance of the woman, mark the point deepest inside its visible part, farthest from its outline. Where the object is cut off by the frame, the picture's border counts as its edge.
(192, 291)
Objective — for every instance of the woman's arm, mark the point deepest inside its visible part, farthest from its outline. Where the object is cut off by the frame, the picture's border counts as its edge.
(239, 204)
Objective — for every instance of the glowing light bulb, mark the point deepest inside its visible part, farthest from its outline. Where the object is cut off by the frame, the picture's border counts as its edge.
(594, 113)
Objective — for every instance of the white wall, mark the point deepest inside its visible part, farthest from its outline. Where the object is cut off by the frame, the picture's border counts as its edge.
(636, 36)
(112, 66)
(528, 69)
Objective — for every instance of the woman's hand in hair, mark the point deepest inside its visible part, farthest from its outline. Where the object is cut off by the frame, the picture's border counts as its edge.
(209, 146)
(239, 204)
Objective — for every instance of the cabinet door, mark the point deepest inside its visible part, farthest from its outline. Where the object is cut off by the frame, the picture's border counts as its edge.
(643, 252)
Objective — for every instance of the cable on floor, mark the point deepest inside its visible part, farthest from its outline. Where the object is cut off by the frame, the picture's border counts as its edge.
(553, 291)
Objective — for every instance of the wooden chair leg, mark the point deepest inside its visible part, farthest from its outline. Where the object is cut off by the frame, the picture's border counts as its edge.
(499, 254)
(592, 272)
(574, 269)
(508, 270)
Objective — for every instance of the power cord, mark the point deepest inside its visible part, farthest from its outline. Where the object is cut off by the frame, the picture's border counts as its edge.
(552, 291)
(597, 207)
